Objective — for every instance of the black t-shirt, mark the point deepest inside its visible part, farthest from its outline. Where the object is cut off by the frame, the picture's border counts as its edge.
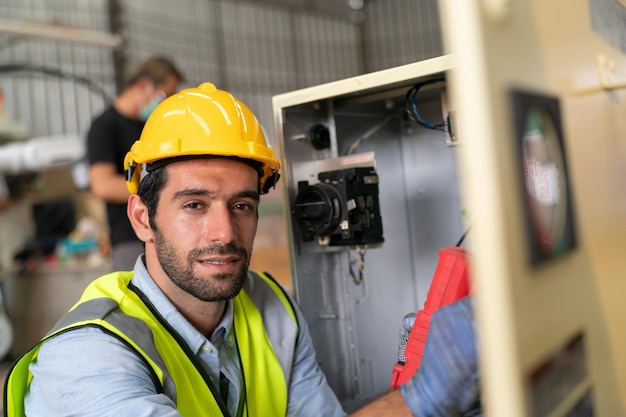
(109, 139)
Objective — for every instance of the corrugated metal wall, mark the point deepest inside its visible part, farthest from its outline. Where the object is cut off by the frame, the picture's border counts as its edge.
(251, 49)
(54, 104)
(399, 32)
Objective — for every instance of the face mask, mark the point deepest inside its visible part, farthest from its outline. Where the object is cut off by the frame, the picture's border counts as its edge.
(145, 112)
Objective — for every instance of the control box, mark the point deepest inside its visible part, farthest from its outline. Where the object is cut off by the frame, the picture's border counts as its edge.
(370, 195)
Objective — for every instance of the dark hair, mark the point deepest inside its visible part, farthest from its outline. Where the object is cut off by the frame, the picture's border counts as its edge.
(149, 191)
(156, 68)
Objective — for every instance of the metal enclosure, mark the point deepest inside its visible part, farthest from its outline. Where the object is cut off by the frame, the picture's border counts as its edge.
(355, 320)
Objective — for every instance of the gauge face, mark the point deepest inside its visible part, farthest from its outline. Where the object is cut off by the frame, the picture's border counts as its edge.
(544, 182)
(544, 178)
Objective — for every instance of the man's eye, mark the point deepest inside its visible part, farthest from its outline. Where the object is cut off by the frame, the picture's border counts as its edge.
(193, 206)
(244, 206)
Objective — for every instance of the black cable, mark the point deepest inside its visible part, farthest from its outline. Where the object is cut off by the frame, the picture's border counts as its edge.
(411, 105)
(59, 74)
(458, 244)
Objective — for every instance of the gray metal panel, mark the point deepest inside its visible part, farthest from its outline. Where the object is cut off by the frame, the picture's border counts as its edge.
(355, 325)
(432, 195)
(421, 213)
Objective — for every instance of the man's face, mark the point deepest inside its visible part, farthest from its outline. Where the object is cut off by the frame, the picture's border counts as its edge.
(206, 221)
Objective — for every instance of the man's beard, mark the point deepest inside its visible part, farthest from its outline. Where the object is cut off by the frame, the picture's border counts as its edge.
(218, 287)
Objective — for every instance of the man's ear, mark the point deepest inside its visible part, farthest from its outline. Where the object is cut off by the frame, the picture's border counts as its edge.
(138, 215)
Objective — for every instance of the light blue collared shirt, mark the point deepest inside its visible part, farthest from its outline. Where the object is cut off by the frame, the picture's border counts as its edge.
(87, 372)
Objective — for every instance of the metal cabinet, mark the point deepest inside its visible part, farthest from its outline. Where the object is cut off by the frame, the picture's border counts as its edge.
(354, 280)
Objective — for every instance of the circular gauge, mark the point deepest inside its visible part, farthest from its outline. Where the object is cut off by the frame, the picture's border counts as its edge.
(543, 174)
(544, 180)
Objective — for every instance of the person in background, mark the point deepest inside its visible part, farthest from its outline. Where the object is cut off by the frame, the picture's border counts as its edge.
(111, 135)
(447, 383)
(191, 331)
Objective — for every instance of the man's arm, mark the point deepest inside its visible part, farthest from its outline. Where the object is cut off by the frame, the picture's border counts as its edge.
(88, 373)
(447, 381)
(389, 405)
(107, 184)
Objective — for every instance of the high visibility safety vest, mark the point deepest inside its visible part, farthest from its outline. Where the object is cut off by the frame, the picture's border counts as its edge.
(265, 327)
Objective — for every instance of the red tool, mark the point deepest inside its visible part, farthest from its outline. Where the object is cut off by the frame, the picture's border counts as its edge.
(450, 283)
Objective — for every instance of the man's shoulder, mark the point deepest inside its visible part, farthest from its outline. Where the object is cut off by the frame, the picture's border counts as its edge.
(264, 279)
(110, 117)
(259, 284)
(107, 115)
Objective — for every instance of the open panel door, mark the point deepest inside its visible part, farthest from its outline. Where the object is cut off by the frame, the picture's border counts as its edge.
(539, 90)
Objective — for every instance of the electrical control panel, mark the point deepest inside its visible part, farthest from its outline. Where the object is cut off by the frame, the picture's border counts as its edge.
(370, 196)
(341, 209)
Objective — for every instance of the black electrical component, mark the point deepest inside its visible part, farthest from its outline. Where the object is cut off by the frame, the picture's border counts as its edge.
(342, 209)
(320, 137)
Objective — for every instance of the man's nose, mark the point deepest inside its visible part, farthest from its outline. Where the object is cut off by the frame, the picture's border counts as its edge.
(222, 228)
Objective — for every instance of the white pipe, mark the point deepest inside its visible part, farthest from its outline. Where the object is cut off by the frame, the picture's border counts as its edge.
(41, 153)
(60, 32)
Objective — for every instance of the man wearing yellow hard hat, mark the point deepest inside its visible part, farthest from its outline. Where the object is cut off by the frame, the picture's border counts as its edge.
(191, 331)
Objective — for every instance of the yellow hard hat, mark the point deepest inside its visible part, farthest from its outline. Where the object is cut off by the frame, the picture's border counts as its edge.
(201, 121)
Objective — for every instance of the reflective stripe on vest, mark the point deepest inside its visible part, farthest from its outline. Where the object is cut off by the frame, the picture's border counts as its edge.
(266, 338)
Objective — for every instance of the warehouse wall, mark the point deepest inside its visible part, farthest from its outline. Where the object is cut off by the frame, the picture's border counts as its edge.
(54, 104)
(254, 50)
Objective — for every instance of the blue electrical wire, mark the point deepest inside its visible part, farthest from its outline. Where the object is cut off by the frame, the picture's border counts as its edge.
(411, 106)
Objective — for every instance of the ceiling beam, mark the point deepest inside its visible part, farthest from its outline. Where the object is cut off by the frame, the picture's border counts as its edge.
(339, 9)
(60, 32)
